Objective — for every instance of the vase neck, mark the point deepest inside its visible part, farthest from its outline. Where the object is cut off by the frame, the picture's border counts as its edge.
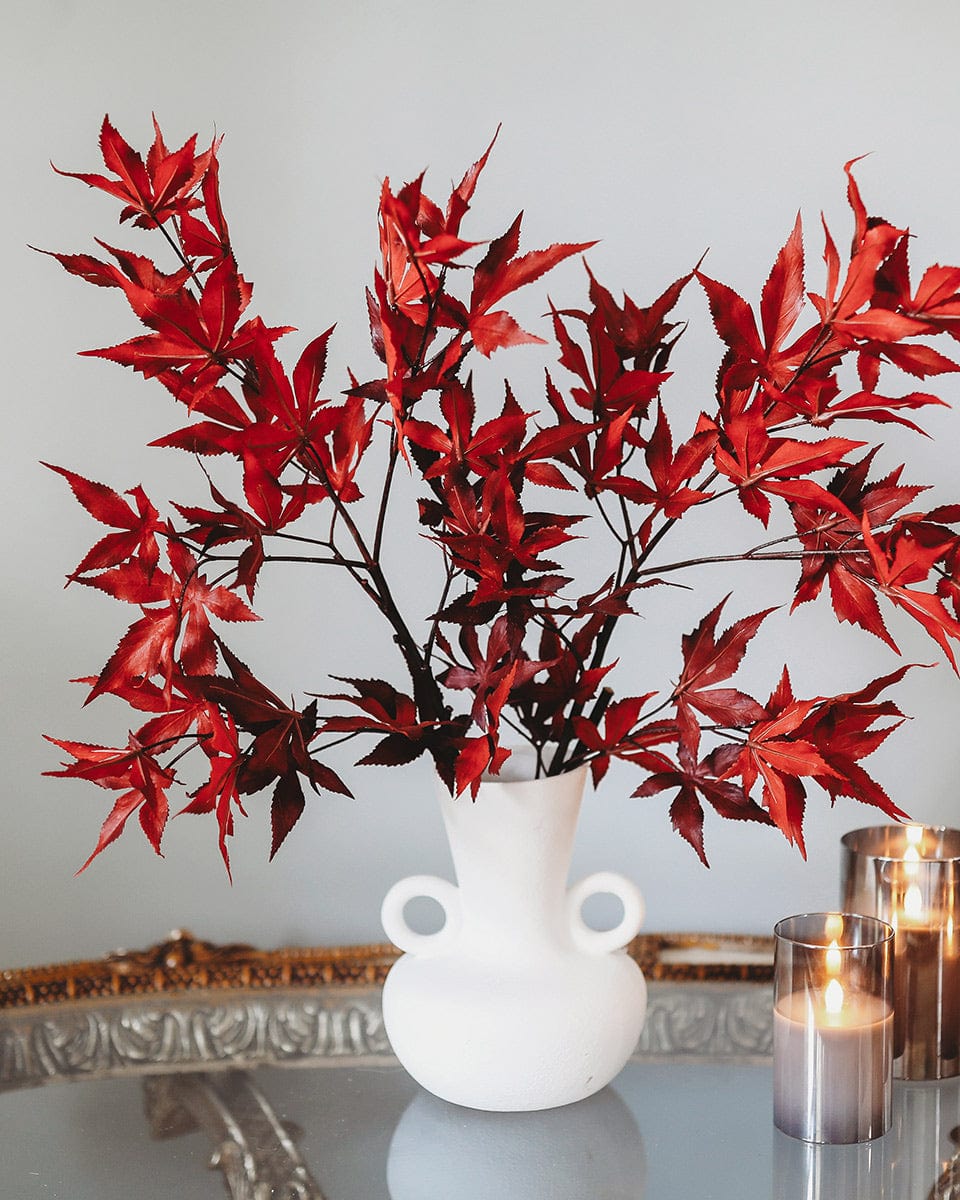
(511, 850)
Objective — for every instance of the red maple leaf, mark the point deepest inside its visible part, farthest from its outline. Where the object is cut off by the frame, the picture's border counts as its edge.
(432, 221)
(708, 660)
(640, 335)
(458, 448)
(758, 463)
(492, 673)
(775, 753)
(902, 560)
(476, 758)
(385, 711)
(207, 244)
(198, 338)
(842, 728)
(834, 547)
(697, 781)
(135, 772)
(152, 191)
(670, 473)
(220, 793)
(280, 750)
(762, 355)
(498, 274)
(138, 526)
(620, 736)
(174, 637)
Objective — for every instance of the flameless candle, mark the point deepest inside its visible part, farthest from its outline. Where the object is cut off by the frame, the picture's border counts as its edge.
(910, 877)
(926, 971)
(832, 1028)
(864, 850)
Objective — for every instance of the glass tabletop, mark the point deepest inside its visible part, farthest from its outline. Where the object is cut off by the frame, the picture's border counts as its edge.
(292, 1093)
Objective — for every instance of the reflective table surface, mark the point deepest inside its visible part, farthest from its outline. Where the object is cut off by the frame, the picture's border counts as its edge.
(191, 1083)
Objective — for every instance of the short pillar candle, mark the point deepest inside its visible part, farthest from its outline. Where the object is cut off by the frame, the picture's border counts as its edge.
(833, 1027)
(909, 876)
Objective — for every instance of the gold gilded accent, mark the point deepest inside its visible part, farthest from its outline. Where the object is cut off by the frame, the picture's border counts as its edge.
(183, 963)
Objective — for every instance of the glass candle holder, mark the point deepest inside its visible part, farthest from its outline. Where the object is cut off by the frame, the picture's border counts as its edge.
(833, 1027)
(909, 876)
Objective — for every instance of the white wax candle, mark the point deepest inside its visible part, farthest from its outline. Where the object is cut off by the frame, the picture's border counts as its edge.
(832, 1066)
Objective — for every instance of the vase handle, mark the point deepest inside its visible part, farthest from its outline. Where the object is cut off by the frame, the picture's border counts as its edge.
(603, 941)
(395, 923)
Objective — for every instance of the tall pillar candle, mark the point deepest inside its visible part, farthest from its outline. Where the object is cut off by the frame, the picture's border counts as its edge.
(833, 1027)
(920, 902)
(909, 876)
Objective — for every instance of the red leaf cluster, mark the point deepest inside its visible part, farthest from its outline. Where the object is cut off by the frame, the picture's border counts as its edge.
(514, 645)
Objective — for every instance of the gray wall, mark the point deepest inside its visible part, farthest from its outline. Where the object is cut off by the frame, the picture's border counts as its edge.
(664, 130)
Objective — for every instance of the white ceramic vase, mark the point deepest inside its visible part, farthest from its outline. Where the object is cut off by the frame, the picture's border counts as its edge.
(515, 1004)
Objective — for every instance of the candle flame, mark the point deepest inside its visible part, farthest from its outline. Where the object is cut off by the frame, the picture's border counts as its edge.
(913, 902)
(833, 927)
(911, 862)
(833, 998)
(834, 959)
(914, 835)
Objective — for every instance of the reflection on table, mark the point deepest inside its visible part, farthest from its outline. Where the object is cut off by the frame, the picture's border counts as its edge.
(253, 1147)
(918, 1160)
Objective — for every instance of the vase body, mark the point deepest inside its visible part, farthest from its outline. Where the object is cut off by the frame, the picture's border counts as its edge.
(515, 1004)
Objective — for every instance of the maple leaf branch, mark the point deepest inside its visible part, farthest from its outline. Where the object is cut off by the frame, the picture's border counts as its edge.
(177, 247)
(451, 574)
(196, 738)
(502, 565)
(629, 543)
(625, 540)
(244, 378)
(638, 570)
(750, 556)
(394, 454)
(374, 583)
(336, 560)
(429, 325)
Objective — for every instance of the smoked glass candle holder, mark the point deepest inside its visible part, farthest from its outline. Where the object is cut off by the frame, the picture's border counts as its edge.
(833, 1027)
(909, 876)
(862, 849)
(921, 900)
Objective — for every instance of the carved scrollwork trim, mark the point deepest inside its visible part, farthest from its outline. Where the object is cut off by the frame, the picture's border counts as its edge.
(333, 1025)
(712, 1020)
(119, 1037)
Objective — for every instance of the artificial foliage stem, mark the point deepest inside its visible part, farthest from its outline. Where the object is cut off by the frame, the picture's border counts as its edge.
(426, 693)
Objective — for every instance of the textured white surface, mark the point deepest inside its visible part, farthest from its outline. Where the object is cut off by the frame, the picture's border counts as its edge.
(516, 1005)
